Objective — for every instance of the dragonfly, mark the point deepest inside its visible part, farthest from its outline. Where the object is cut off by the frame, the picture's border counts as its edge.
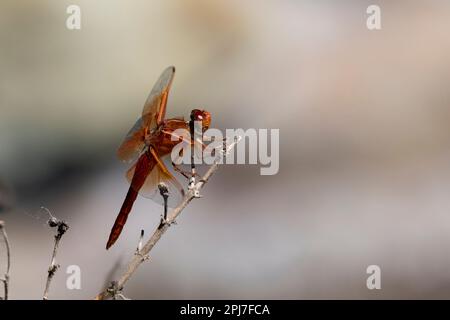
(148, 142)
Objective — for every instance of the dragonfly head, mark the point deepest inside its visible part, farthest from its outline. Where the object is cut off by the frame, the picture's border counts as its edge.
(203, 116)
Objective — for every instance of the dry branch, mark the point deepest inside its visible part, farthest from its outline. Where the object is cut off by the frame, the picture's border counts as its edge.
(62, 227)
(116, 287)
(5, 278)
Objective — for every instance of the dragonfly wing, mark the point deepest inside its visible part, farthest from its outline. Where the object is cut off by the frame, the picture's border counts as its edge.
(155, 106)
(142, 168)
(150, 187)
(152, 115)
(133, 144)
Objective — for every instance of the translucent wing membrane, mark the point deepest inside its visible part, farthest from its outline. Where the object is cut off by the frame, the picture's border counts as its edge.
(159, 174)
(155, 105)
(152, 115)
(133, 144)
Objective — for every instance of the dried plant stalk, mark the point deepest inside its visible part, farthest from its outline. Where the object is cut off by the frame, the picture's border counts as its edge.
(62, 227)
(143, 254)
(5, 279)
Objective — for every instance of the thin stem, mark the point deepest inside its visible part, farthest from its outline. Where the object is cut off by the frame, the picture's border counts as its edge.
(141, 238)
(143, 255)
(62, 228)
(5, 280)
(192, 132)
(165, 194)
(116, 287)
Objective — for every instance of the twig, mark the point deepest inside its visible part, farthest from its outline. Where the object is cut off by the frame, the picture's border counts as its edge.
(121, 296)
(5, 280)
(192, 132)
(114, 291)
(62, 227)
(116, 287)
(165, 194)
(141, 239)
(160, 230)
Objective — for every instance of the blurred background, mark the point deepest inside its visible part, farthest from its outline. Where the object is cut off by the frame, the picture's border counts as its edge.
(364, 146)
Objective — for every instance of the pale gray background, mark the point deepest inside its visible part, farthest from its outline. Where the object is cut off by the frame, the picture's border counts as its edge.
(364, 123)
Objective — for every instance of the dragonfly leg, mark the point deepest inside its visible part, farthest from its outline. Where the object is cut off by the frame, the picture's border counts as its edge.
(186, 174)
(180, 171)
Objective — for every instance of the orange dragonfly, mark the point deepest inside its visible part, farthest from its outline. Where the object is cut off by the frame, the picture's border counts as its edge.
(148, 141)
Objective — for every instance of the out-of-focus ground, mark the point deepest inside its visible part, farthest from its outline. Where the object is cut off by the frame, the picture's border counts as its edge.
(364, 145)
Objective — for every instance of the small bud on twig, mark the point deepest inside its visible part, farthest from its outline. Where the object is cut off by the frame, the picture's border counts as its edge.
(164, 191)
(62, 227)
